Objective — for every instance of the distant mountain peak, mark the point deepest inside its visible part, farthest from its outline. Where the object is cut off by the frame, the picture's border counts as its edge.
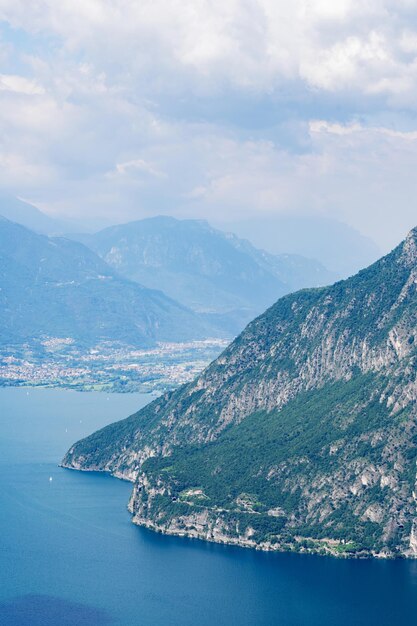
(212, 272)
(26, 214)
(53, 286)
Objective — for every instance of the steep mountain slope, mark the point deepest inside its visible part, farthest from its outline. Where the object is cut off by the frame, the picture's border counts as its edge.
(209, 271)
(302, 435)
(57, 287)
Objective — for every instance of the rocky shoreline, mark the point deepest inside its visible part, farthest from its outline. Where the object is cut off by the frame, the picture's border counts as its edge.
(216, 534)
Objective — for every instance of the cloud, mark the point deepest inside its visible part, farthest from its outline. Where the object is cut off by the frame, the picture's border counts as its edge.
(121, 109)
(248, 44)
(359, 174)
(19, 84)
(133, 166)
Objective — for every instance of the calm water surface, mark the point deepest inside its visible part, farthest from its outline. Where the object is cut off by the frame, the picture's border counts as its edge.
(70, 555)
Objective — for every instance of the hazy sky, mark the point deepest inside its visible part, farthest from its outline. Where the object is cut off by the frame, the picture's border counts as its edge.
(212, 108)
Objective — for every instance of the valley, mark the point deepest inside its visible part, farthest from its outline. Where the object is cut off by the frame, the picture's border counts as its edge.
(108, 366)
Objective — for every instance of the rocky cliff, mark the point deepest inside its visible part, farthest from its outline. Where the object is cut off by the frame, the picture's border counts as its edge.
(301, 436)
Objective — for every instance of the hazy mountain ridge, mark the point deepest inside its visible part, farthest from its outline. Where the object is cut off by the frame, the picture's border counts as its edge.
(335, 244)
(58, 287)
(209, 271)
(28, 215)
(301, 436)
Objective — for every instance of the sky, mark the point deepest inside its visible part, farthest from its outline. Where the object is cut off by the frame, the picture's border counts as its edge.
(218, 109)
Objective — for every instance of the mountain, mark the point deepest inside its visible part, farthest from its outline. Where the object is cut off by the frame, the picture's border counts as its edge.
(333, 243)
(57, 287)
(213, 273)
(302, 435)
(30, 216)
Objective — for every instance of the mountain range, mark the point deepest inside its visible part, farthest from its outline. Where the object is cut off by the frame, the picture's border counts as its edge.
(219, 276)
(52, 286)
(28, 215)
(332, 243)
(301, 436)
(156, 280)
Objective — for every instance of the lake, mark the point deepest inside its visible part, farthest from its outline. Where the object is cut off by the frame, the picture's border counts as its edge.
(70, 554)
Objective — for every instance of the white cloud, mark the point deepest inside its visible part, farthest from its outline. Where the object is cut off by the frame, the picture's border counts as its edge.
(322, 126)
(361, 175)
(20, 84)
(247, 43)
(102, 115)
(135, 165)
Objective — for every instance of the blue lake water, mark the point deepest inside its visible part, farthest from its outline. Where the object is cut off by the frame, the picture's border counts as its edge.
(70, 555)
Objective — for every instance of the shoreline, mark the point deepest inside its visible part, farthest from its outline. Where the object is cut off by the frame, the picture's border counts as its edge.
(263, 547)
(86, 389)
(317, 547)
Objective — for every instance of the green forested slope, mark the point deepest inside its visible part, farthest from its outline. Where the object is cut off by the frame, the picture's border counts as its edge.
(301, 435)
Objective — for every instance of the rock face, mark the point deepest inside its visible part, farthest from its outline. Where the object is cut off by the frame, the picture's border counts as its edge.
(301, 436)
